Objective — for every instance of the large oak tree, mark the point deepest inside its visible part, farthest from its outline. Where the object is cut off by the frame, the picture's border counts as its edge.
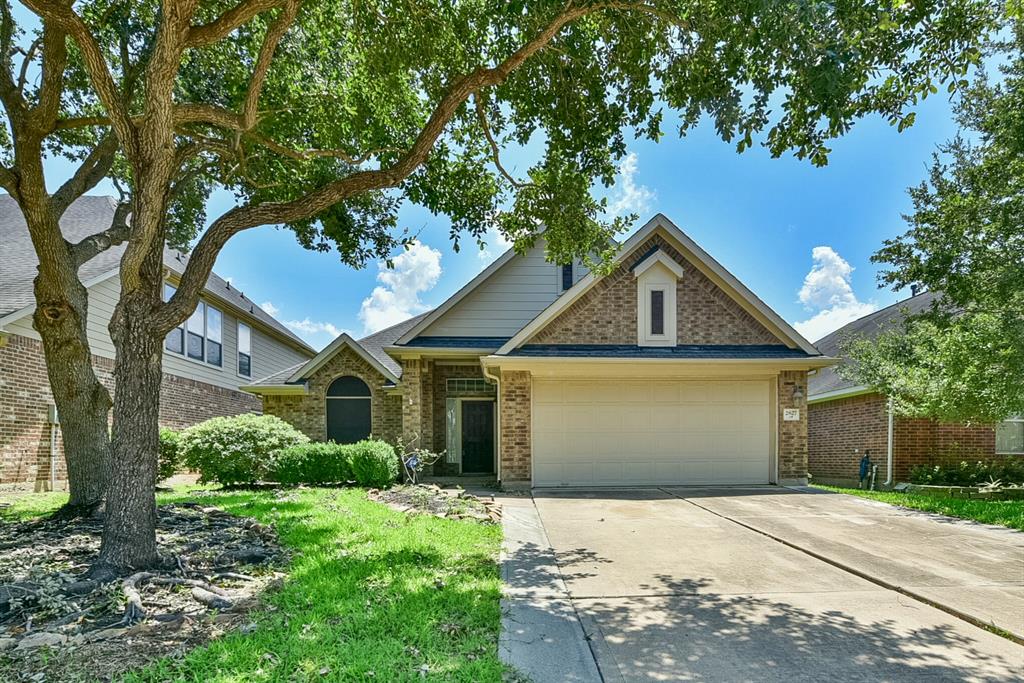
(325, 115)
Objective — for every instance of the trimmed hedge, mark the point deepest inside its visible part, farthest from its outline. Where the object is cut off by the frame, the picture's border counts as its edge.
(964, 473)
(169, 456)
(314, 463)
(374, 463)
(237, 450)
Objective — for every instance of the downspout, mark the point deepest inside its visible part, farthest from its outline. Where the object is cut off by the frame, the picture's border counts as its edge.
(888, 452)
(497, 418)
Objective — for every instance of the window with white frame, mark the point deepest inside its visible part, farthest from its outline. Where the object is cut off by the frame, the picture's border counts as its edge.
(200, 337)
(1010, 436)
(656, 280)
(244, 350)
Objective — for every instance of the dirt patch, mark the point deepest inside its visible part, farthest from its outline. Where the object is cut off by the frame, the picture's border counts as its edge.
(56, 624)
(451, 503)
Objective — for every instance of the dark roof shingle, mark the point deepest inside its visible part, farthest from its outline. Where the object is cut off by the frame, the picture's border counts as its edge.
(683, 351)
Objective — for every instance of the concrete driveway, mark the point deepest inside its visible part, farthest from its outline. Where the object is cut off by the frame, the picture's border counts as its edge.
(687, 584)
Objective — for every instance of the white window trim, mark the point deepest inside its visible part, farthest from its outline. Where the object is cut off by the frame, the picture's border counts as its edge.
(663, 279)
(1016, 420)
(238, 347)
(184, 335)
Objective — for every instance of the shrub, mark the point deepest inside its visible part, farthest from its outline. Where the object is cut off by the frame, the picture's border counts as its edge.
(314, 463)
(237, 450)
(169, 457)
(969, 473)
(374, 463)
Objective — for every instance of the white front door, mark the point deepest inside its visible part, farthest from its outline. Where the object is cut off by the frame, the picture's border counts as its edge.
(613, 432)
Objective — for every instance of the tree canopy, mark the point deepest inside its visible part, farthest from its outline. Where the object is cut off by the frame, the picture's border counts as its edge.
(965, 358)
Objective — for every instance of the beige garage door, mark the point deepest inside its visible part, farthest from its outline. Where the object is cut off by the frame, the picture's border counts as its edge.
(606, 433)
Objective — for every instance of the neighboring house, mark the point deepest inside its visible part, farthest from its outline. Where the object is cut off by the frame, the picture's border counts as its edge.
(228, 341)
(845, 416)
(667, 371)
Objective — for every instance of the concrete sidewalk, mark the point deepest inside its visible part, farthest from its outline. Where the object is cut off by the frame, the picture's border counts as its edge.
(541, 635)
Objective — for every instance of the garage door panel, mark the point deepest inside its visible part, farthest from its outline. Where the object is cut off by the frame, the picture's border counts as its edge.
(644, 432)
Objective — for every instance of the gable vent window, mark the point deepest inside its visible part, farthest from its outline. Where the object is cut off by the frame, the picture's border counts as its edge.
(657, 311)
(566, 276)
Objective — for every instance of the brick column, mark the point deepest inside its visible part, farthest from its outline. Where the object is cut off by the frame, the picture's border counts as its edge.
(792, 434)
(412, 402)
(515, 428)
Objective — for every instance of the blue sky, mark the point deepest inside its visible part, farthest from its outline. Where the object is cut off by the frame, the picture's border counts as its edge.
(800, 237)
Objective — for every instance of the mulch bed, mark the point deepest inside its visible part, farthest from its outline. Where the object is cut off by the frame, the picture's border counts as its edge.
(450, 503)
(58, 625)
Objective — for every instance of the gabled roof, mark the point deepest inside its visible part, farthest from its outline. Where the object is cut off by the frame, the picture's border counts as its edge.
(691, 249)
(369, 348)
(424, 321)
(827, 381)
(86, 216)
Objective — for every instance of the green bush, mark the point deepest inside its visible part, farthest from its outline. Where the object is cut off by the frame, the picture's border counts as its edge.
(169, 457)
(969, 473)
(374, 463)
(314, 463)
(237, 450)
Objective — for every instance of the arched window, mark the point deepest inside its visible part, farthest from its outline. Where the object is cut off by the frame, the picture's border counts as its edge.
(348, 410)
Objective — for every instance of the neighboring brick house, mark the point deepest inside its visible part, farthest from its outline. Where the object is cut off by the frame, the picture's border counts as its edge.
(847, 419)
(666, 371)
(226, 343)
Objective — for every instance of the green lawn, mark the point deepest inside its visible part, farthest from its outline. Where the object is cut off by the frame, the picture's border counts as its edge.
(1008, 513)
(372, 594)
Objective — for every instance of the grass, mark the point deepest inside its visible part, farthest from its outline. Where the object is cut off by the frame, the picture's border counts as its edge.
(1008, 513)
(372, 594)
(16, 507)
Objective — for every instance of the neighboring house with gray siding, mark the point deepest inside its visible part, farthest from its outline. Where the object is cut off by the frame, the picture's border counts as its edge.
(229, 341)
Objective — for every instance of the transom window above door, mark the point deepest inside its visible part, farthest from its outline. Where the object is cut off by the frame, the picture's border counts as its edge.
(348, 409)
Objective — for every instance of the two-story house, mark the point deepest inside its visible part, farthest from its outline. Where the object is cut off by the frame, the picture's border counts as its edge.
(229, 341)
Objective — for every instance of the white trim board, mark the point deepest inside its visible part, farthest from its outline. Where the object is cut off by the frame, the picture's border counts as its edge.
(689, 248)
(332, 350)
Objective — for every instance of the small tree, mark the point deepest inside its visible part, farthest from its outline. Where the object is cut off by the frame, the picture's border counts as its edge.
(964, 359)
(324, 116)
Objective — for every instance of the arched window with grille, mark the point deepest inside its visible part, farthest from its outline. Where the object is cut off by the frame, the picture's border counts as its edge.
(348, 410)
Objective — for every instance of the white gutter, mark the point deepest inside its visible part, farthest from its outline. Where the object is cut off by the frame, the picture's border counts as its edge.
(888, 453)
(497, 420)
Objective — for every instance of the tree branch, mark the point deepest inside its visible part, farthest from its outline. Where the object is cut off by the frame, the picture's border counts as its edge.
(481, 114)
(244, 217)
(118, 232)
(206, 34)
(266, 56)
(90, 172)
(55, 59)
(30, 53)
(99, 72)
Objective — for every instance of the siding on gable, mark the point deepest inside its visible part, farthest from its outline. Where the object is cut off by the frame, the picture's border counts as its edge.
(606, 314)
(511, 297)
(268, 354)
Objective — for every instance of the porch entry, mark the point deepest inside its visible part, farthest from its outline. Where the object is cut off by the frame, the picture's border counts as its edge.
(470, 434)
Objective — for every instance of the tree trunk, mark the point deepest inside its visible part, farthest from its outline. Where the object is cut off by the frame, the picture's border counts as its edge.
(83, 403)
(129, 532)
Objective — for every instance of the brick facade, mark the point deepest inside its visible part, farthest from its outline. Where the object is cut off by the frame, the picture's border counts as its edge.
(25, 399)
(308, 413)
(515, 437)
(839, 426)
(792, 435)
(607, 313)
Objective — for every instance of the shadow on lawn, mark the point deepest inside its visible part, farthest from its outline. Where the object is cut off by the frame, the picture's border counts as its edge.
(372, 594)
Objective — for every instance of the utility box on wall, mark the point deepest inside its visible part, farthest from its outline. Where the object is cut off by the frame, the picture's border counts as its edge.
(51, 415)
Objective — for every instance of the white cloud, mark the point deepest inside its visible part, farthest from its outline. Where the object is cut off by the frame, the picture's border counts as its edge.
(309, 328)
(270, 308)
(627, 196)
(827, 292)
(415, 271)
(497, 244)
